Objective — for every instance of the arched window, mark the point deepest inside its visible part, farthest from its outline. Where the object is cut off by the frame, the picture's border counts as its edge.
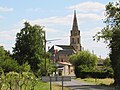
(73, 40)
(78, 40)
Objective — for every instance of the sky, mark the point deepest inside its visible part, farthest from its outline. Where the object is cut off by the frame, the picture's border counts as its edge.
(57, 18)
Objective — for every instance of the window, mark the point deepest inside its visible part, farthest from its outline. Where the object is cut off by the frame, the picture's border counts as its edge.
(76, 47)
(78, 40)
(72, 40)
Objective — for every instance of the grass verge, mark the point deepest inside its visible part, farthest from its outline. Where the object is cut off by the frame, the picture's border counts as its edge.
(46, 86)
(106, 81)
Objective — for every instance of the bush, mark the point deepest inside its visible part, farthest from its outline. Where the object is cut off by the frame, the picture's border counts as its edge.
(96, 74)
(18, 81)
(83, 61)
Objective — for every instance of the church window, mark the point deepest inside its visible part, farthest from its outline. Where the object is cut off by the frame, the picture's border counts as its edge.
(78, 40)
(62, 60)
(76, 47)
(72, 40)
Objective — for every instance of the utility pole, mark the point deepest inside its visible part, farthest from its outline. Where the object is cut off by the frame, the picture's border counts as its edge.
(45, 51)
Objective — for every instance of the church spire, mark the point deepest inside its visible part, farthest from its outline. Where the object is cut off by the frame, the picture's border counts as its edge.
(75, 25)
(75, 35)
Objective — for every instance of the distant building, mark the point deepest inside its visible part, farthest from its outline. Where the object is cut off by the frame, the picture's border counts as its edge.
(100, 64)
(75, 39)
(60, 53)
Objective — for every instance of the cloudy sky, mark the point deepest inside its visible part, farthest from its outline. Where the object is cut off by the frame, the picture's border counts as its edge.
(56, 16)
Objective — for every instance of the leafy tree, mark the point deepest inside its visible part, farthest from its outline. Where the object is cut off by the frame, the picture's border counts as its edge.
(18, 81)
(6, 61)
(29, 46)
(24, 68)
(111, 36)
(49, 68)
(83, 61)
(107, 62)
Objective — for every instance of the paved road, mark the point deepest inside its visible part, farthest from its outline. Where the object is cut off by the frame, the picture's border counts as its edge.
(78, 85)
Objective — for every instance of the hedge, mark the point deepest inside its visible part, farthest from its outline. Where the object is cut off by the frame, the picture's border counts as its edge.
(95, 74)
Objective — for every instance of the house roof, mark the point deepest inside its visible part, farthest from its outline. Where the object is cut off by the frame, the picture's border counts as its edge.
(64, 63)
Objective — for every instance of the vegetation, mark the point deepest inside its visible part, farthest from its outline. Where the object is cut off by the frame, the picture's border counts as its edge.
(6, 61)
(24, 81)
(17, 81)
(29, 46)
(107, 62)
(105, 81)
(111, 36)
(23, 69)
(83, 61)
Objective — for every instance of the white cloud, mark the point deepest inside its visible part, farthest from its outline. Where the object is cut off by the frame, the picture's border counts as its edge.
(34, 9)
(7, 35)
(66, 20)
(51, 21)
(6, 9)
(1, 17)
(50, 30)
(89, 44)
(2, 44)
(90, 16)
(91, 32)
(88, 7)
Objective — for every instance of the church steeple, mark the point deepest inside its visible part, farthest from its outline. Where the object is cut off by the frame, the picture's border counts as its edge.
(75, 35)
(75, 25)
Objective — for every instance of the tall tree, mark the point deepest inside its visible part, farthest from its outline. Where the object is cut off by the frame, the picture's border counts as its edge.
(29, 46)
(111, 35)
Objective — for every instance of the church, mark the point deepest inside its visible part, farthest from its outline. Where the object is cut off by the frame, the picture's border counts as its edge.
(60, 53)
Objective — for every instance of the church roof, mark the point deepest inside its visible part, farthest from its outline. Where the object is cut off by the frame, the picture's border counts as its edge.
(65, 46)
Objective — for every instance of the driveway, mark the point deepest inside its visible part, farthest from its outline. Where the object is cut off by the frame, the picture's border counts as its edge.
(78, 85)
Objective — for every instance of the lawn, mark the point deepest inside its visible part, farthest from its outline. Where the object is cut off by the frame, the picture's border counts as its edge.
(106, 81)
(42, 86)
(46, 86)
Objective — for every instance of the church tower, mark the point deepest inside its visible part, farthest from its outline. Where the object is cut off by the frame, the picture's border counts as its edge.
(75, 35)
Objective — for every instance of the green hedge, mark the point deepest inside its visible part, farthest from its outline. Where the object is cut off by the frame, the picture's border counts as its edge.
(95, 74)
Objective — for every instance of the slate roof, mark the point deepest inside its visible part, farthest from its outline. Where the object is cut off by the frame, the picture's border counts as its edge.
(66, 49)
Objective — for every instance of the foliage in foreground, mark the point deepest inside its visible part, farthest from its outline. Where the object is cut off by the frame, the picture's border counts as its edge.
(18, 81)
(6, 62)
(111, 34)
(24, 81)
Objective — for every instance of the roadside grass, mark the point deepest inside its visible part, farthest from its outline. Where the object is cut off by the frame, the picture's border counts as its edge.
(106, 81)
(42, 86)
(46, 86)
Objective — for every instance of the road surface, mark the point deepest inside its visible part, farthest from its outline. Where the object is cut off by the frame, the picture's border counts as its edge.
(78, 85)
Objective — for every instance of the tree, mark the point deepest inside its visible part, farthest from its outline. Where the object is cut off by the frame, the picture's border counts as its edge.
(111, 35)
(29, 46)
(107, 62)
(7, 63)
(83, 61)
